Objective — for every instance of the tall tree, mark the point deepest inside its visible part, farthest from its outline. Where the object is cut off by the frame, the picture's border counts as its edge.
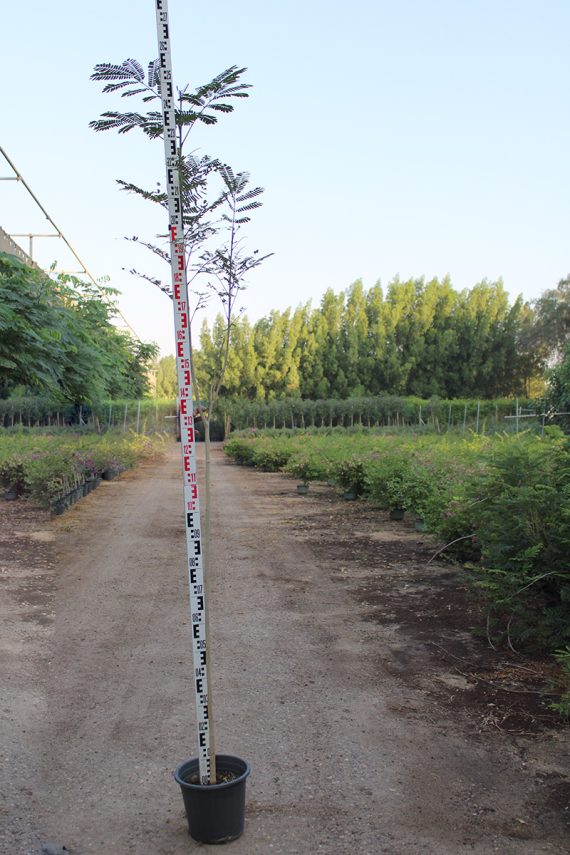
(166, 381)
(216, 201)
(57, 335)
(354, 336)
(551, 329)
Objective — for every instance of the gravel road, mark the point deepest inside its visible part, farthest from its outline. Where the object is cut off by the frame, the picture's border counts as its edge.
(348, 756)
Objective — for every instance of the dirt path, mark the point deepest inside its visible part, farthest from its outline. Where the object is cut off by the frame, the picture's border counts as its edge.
(342, 673)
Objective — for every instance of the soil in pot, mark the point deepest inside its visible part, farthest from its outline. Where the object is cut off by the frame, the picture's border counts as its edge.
(222, 777)
(215, 812)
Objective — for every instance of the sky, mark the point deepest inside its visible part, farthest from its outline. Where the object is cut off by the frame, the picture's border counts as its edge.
(406, 138)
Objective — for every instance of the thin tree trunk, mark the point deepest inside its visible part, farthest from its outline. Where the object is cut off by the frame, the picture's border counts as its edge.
(207, 591)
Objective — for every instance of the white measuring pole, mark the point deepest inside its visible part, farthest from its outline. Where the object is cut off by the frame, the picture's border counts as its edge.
(206, 757)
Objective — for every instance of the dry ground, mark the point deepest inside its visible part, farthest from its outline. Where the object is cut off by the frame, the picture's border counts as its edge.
(345, 672)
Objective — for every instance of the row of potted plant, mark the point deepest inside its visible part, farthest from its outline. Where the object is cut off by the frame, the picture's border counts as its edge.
(501, 503)
(396, 475)
(56, 470)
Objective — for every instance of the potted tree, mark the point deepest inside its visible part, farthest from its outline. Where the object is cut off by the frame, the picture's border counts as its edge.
(213, 785)
(350, 474)
(305, 469)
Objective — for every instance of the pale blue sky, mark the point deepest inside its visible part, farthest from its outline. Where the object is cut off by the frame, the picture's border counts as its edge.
(411, 138)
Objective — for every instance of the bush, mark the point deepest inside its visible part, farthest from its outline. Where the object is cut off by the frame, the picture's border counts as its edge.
(351, 475)
(502, 502)
(385, 478)
(240, 450)
(521, 517)
(46, 466)
(307, 468)
(270, 459)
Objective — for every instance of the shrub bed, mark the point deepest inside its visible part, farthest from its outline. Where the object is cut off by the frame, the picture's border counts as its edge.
(49, 467)
(500, 503)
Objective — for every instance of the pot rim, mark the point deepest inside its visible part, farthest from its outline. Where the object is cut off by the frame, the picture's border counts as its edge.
(220, 758)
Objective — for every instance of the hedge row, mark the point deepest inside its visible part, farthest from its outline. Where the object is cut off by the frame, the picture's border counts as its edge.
(501, 502)
(47, 467)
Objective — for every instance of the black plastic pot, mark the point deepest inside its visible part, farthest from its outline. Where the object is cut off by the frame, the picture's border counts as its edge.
(397, 514)
(215, 812)
(57, 507)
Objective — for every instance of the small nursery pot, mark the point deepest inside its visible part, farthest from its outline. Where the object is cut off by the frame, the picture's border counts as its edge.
(57, 507)
(397, 514)
(215, 812)
(302, 489)
(109, 474)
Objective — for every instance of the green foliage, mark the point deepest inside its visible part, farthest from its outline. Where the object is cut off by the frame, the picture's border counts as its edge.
(550, 331)
(366, 412)
(46, 466)
(563, 704)
(216, 202)
(198, 106)
(350, 474)
(57, 336)
(270, 459)
(143, 416)
(419, 339)
(523, 524)
(501, 501)
(241, 450)
(558, 391)
(307, 468)
(166, 380)
(261, 452)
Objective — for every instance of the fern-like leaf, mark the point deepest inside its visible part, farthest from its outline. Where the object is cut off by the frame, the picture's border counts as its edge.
(151, 124)
(110, 71)
(130, 69)
(132, 92)
(157, 196)
(251, 207)
(251, 194)
(113, 87)
(136, 69)
(153, 77)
